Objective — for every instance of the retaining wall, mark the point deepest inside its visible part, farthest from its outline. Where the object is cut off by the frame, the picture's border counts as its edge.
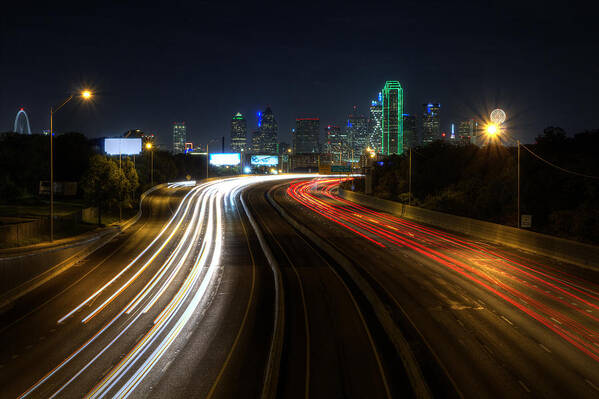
(568, 251)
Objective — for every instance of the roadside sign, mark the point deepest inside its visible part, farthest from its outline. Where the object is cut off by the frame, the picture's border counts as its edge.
(526, 221)
(324, 169)
(340, 169)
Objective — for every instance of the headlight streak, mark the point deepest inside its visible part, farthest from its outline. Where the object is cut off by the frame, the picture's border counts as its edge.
(511, 268)
(212, 198)
(164, 268)
(109, 283)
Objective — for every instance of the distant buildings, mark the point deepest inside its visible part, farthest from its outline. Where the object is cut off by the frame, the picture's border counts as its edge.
(306, 136)
(269, 131)
(179, 137)
(284, 148)
(357, 132)
(392, 122)
(256, 147)
(431, 129)
(467, 132)
(336, 142)
(375, 119)
(238, 133)
(410, 133)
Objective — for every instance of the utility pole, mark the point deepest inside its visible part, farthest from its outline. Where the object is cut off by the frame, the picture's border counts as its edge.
(518, 207)
(410, 179)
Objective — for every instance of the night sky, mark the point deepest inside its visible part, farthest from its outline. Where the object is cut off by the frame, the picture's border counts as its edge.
(201, 62)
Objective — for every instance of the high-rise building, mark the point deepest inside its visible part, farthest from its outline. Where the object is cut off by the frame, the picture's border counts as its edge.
(306, 136)
(467, 131)
(392, 124)
(410, 134)
(375, 129)
(256, 147)
(238, 133)
(357, 132)
(179, 137)
(431, 129)
(335, 141)
(269, 130)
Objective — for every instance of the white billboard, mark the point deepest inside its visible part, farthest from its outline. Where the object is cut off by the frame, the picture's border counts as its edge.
(265, 160)
(122, 146)
(231, 159)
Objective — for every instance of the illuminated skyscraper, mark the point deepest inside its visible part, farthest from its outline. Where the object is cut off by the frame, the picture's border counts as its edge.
(431, 130)
(238, 133)
(334, 141)
(410, 134)
(375, 120)
(306, 136)
(267, 125)
(179, 137)
(392, 124)
(357, 132)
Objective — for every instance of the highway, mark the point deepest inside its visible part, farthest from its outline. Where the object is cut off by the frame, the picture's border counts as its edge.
(112, 325)
(214, 293)
(482, 319)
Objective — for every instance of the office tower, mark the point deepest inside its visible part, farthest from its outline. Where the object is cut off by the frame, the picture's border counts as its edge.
(256, 147)
(267, 125)
(179, 137)
(333, 140)
(375, 119)
(467, 132)
(392, 124)
(238, 133)
(410, 134)
(431, 123)
(306, 137)
(356, 130)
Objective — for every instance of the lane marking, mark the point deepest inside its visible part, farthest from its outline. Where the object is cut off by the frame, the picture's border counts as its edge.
(245, 315)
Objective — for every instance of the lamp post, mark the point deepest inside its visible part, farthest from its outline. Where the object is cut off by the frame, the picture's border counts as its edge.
(149, 148)
(493, 130)
(86, 95)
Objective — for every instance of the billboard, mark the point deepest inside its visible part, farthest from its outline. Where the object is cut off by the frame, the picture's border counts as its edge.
(265, 160)
(122, 146)
(232, 159)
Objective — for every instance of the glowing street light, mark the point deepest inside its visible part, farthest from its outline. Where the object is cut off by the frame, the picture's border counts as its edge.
(492, 129)
(86, 95)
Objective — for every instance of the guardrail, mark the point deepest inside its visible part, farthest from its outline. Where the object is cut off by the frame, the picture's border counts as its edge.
(580, 254)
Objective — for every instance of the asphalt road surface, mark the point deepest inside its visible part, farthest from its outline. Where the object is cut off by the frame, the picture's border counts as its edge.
(213, 294)
(496, 321)
(179, 305)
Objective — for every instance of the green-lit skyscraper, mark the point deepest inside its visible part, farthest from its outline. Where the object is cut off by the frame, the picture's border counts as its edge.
(392, 123)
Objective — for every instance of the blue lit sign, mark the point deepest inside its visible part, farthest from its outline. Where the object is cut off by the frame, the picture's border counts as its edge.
(259, 118)
(265, 160)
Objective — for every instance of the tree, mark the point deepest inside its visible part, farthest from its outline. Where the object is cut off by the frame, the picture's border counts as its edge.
(101, 182)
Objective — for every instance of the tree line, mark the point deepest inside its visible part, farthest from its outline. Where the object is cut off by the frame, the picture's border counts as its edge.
(25, 161)
(481, 182)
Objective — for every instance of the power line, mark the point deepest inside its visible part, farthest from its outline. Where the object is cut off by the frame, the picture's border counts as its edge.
(559, 167)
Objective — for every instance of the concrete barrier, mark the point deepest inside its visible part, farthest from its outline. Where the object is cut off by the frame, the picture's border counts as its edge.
(583, 255)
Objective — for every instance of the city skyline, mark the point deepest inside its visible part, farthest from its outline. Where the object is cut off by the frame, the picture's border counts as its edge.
(136, 89)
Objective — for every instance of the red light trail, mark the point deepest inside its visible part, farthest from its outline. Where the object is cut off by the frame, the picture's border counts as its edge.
(554, 297)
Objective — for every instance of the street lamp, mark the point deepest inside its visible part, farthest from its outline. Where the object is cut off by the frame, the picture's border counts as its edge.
(493, 130)
(86, 95)
(149, 148)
